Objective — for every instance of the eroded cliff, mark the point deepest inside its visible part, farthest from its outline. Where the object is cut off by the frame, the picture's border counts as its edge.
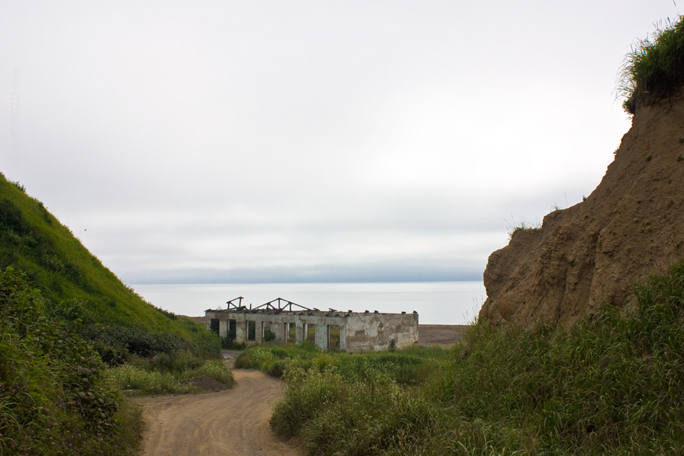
(594, 252)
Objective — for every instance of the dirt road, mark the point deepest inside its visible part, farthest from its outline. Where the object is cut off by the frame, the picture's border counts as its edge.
(232, 422)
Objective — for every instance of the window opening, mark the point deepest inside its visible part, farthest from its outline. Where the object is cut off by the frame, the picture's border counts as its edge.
(334, 337)
(214, 325)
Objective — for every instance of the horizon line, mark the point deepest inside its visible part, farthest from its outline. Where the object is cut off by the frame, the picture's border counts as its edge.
(298, 282)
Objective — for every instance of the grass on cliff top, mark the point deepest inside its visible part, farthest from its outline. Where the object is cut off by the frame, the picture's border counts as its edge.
(613, 384)
(655, 66)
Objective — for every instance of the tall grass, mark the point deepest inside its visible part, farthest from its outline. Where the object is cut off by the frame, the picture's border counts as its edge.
(168, 374)
(613, 384)
(408, 367)
(129, 377)
(655, 66)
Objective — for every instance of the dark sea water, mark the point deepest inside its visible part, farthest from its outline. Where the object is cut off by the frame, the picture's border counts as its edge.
(446, 303)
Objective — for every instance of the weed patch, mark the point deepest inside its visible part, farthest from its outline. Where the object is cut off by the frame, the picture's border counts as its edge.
(168, 374)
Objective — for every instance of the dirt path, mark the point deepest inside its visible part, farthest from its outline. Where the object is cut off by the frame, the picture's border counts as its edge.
(233, 422)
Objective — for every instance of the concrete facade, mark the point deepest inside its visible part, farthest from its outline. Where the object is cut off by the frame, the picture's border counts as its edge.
(358, 332)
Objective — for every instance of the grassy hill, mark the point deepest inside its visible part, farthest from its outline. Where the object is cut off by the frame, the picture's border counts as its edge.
(79, 286)
(62, 313)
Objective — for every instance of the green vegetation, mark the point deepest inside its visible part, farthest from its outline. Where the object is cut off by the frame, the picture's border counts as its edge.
(407, 367)
(114, 318)
(161, 376)
(54, 399)
(610, 385)
(334, 338)
(655, 67)
(64, 318)
(523, 227)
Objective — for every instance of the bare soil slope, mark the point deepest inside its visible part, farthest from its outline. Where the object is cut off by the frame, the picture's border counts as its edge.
(594, 252)
(233, 422)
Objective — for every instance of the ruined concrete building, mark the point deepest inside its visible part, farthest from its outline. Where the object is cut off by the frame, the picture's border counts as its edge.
(286, 321)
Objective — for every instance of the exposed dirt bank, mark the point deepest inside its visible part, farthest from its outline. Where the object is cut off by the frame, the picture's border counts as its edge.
(594, 252)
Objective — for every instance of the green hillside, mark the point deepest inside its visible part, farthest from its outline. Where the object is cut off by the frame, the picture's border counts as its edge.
(62, 313)
(79, 286)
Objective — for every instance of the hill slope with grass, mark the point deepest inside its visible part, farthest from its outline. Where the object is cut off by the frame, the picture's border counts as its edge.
(54, 398)
(80, 288)
(62, 313)
(631, 225)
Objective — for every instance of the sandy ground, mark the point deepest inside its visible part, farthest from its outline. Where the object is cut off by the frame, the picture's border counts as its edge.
(232, 422)
(439, 334)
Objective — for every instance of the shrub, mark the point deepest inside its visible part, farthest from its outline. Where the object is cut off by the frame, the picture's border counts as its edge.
(176, 361)
(53, 397)
(254, 358)
(229, 343)
(116, 343)
(149, 382)
(218, 371)
(167, 374)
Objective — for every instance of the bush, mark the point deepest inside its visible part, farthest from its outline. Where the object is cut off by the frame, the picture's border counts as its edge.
(148, 382)
(135, 341)
(53, 397)
(168, 374)
(254, 358)
(218, 371)
(229, 343)
(176, 361)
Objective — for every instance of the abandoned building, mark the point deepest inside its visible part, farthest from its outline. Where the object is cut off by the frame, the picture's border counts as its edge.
(286, 321)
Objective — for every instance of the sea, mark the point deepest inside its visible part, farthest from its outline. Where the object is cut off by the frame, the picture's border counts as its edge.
(439, 303)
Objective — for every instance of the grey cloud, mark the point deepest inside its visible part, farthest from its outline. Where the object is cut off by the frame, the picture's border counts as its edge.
(311, 141)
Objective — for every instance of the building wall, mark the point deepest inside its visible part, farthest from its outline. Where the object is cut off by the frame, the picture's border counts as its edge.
(358, 332)
(371, 332)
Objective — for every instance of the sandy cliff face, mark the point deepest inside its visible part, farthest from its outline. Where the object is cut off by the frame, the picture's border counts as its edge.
(594, 252)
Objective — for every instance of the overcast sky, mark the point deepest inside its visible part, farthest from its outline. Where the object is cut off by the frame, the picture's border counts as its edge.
(275, 141)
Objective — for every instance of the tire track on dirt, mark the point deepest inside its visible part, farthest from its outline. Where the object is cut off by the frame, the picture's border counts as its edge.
(232, 422)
